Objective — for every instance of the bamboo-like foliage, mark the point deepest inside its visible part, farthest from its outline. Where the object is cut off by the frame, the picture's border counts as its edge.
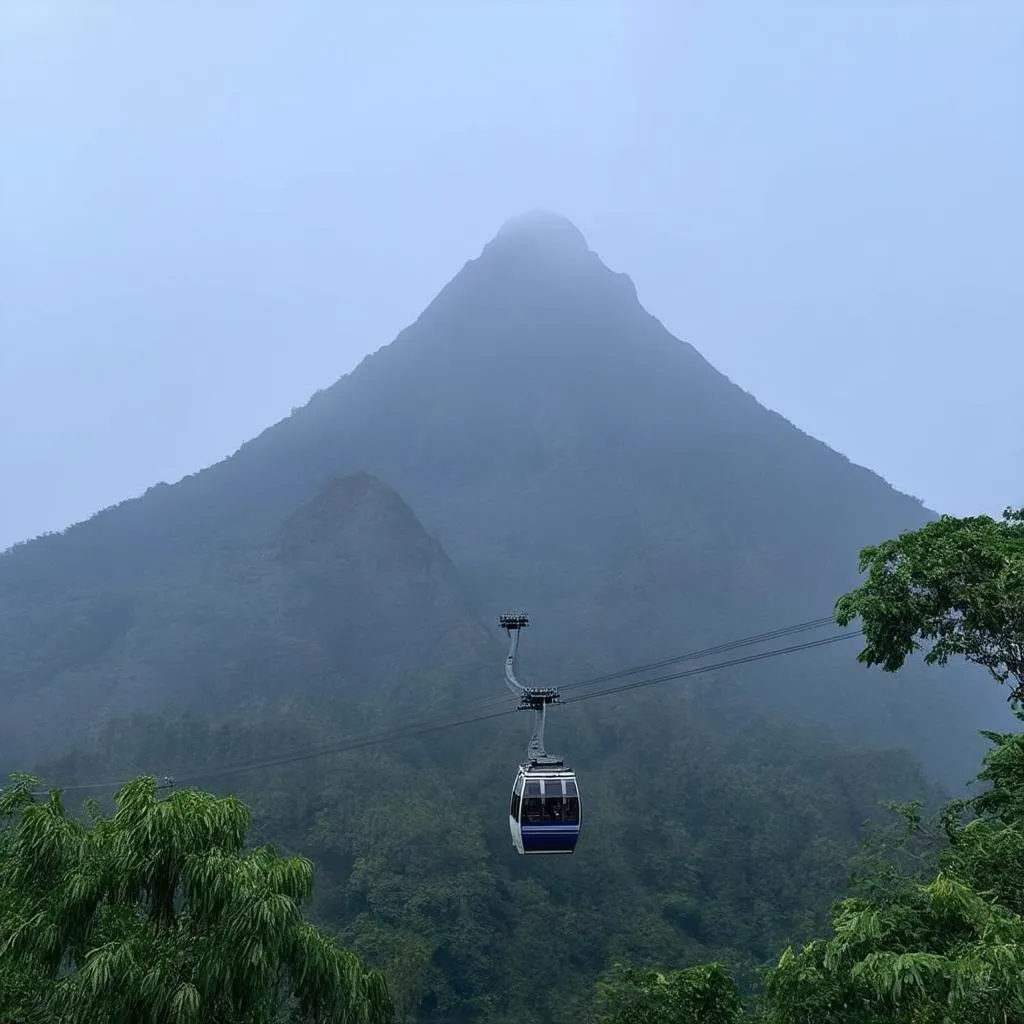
(158, 915)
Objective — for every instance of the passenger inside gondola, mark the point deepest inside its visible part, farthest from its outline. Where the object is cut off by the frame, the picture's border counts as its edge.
(554, 801)
(532, 810)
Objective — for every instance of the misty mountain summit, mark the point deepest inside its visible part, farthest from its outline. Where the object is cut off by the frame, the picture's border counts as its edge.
(542, 231)
(569, 455)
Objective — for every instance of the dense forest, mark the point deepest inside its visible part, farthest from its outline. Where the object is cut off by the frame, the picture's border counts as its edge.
(723, 851)
(159, 909)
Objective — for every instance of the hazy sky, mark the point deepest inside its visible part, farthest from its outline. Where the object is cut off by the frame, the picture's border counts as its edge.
(210, 210)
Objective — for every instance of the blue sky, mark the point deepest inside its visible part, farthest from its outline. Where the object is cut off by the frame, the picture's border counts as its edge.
(208, 211)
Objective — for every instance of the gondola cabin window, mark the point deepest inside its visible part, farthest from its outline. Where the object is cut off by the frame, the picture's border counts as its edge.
(533, 803)
(572, 802)
(561, 801)
(517, 795)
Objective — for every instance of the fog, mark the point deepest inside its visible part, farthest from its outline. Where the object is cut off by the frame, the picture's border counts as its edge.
(207, 212)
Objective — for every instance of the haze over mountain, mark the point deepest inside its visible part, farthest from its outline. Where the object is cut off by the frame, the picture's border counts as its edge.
(181, 270)
(349, 597)
(568, 454)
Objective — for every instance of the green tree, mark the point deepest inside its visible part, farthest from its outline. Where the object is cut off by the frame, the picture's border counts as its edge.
(694, 995)
(158, 914)
(956, 583)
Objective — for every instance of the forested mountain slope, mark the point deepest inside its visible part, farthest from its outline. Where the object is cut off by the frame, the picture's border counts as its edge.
(348, 596)
(569, 454)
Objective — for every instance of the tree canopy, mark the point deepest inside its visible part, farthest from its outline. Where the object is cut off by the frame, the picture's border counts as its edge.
(705, 993)
(955, 586)
(158, 914)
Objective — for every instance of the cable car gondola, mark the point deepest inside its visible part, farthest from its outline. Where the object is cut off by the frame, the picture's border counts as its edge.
(544, 814)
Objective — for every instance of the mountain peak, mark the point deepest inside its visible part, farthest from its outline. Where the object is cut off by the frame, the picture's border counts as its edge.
(357, 504)
(541, 230)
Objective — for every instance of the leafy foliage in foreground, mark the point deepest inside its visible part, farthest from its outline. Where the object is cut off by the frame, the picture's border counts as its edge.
(156, 914)
(958, 582)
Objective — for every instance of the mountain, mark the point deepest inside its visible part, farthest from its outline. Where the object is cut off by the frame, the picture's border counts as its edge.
(536, 438)
(348, 596)
(571, 456)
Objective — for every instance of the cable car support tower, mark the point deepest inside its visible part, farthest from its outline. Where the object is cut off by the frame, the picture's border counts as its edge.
(531, 698)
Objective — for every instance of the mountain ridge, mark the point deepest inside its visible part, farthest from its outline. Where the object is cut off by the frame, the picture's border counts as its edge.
(538, 227)
(572, 456)
(300, 613)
